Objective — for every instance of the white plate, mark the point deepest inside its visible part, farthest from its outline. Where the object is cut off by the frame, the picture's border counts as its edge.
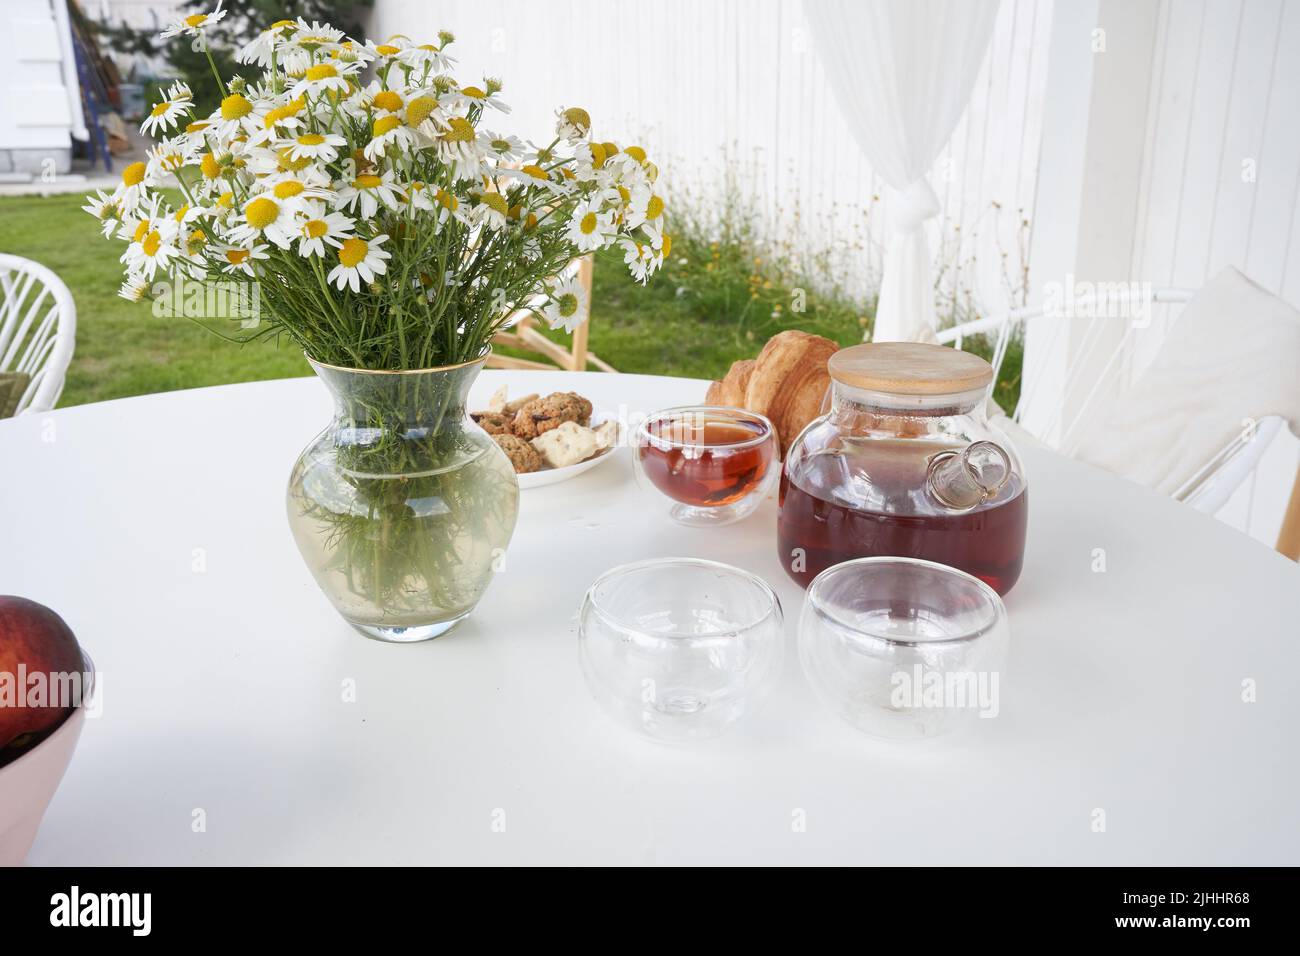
(551, 476)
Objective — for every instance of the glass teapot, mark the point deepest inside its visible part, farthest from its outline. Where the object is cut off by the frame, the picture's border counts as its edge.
(904, 463)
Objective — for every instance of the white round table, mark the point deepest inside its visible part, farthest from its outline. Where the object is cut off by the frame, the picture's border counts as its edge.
(229, 732)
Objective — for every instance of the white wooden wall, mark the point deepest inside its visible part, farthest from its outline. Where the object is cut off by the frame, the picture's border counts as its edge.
(40, 108)
(701, 81)
(1221, 177)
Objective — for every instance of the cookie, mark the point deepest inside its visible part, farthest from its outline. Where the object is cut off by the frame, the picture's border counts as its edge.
(494, 423)
(566, 444)
(523, 456)
(543, 414)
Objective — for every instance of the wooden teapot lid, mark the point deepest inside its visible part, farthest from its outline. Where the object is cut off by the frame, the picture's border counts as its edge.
(909, 368)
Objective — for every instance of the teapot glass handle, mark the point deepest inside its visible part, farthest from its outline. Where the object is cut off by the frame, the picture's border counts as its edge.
(960, 480)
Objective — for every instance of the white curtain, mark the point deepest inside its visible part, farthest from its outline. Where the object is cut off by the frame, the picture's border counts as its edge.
(902, 71)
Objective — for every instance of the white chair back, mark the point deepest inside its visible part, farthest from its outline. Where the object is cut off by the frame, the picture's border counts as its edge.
(38, 323)
(1214, 483)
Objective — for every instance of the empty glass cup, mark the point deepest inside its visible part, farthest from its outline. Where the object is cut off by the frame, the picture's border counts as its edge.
(904, 648)
(680, 649)
(713, 464)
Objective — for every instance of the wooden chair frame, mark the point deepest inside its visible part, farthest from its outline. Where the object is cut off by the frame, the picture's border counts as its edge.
(520, 332)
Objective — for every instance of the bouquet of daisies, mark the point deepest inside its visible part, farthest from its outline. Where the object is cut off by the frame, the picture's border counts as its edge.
(387, 223)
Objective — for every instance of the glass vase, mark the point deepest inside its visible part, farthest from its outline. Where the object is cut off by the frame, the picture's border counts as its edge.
(403, 507)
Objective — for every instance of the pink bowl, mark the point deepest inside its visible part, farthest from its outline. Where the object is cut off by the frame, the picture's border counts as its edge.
(27, 785)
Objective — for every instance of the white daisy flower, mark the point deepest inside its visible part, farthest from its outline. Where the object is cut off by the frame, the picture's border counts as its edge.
(296, 189)
(280, 121)
(318, 147)
(490, 210)
(179, 102)
(166, 158)
(567, 307)
(319, 227)
(387, 130)
(195, 24)
(105, 207)
(427, 57)
(447, 206)
(506, 149)
(325, 77)
(267, 217)
(368, 191)
(471, 95)
(241, 259)
(418, 196)
(153, 249)
(572, 125)
(644, 207)
(261, 49)
(236, 114)
(390, 49)
(359, 259)
(590, 228)
(135, 288)
(457, 146)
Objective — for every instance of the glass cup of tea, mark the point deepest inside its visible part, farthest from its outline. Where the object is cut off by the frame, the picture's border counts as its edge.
(904, 648)
(680, 649)
(713, 464)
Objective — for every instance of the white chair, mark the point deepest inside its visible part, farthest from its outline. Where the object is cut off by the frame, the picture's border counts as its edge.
(38, 324)
(1209, 489)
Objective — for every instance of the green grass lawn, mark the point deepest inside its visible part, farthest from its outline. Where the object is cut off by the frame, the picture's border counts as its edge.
(709, 307)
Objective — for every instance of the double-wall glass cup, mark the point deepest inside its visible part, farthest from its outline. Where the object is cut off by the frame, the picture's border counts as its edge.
(680, 649)
(710, 464)
(904, 648)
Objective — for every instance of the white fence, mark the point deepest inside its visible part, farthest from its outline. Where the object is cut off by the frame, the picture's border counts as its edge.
(698, 82)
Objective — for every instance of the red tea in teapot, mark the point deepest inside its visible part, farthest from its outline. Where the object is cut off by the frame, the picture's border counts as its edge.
(817, 529)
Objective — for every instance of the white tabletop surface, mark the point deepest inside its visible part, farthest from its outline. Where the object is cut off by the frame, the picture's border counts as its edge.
(156, 527)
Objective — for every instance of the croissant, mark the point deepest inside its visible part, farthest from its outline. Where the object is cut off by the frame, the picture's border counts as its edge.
(787, 382)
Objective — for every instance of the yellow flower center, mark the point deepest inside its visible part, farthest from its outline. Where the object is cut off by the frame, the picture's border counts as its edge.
(624, 194)
(588, 224)
(388, 100)
(141, 230)
(315, 228)
(287, 189)
(597, 155)
(225, 200)
(195, 19)
(196, 126)
(261, 212)
(310, 139)
(386, 124)
(151, 244)
(181, 213)
(418, 110)
(280, 23)
(366, 181)
(446, 200)
(654, 208)
(578, 118)
(536, 172)
(387, 49)
(473, 92)
(235, 106)
(236, 256)
(322, 71)
(668, 244)
(568, 304)
(352, 252)
(133, 175)
(211, 168)
(495, 201)
(636, 152)
(461, 131)
(288, 162)
(160, 109)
